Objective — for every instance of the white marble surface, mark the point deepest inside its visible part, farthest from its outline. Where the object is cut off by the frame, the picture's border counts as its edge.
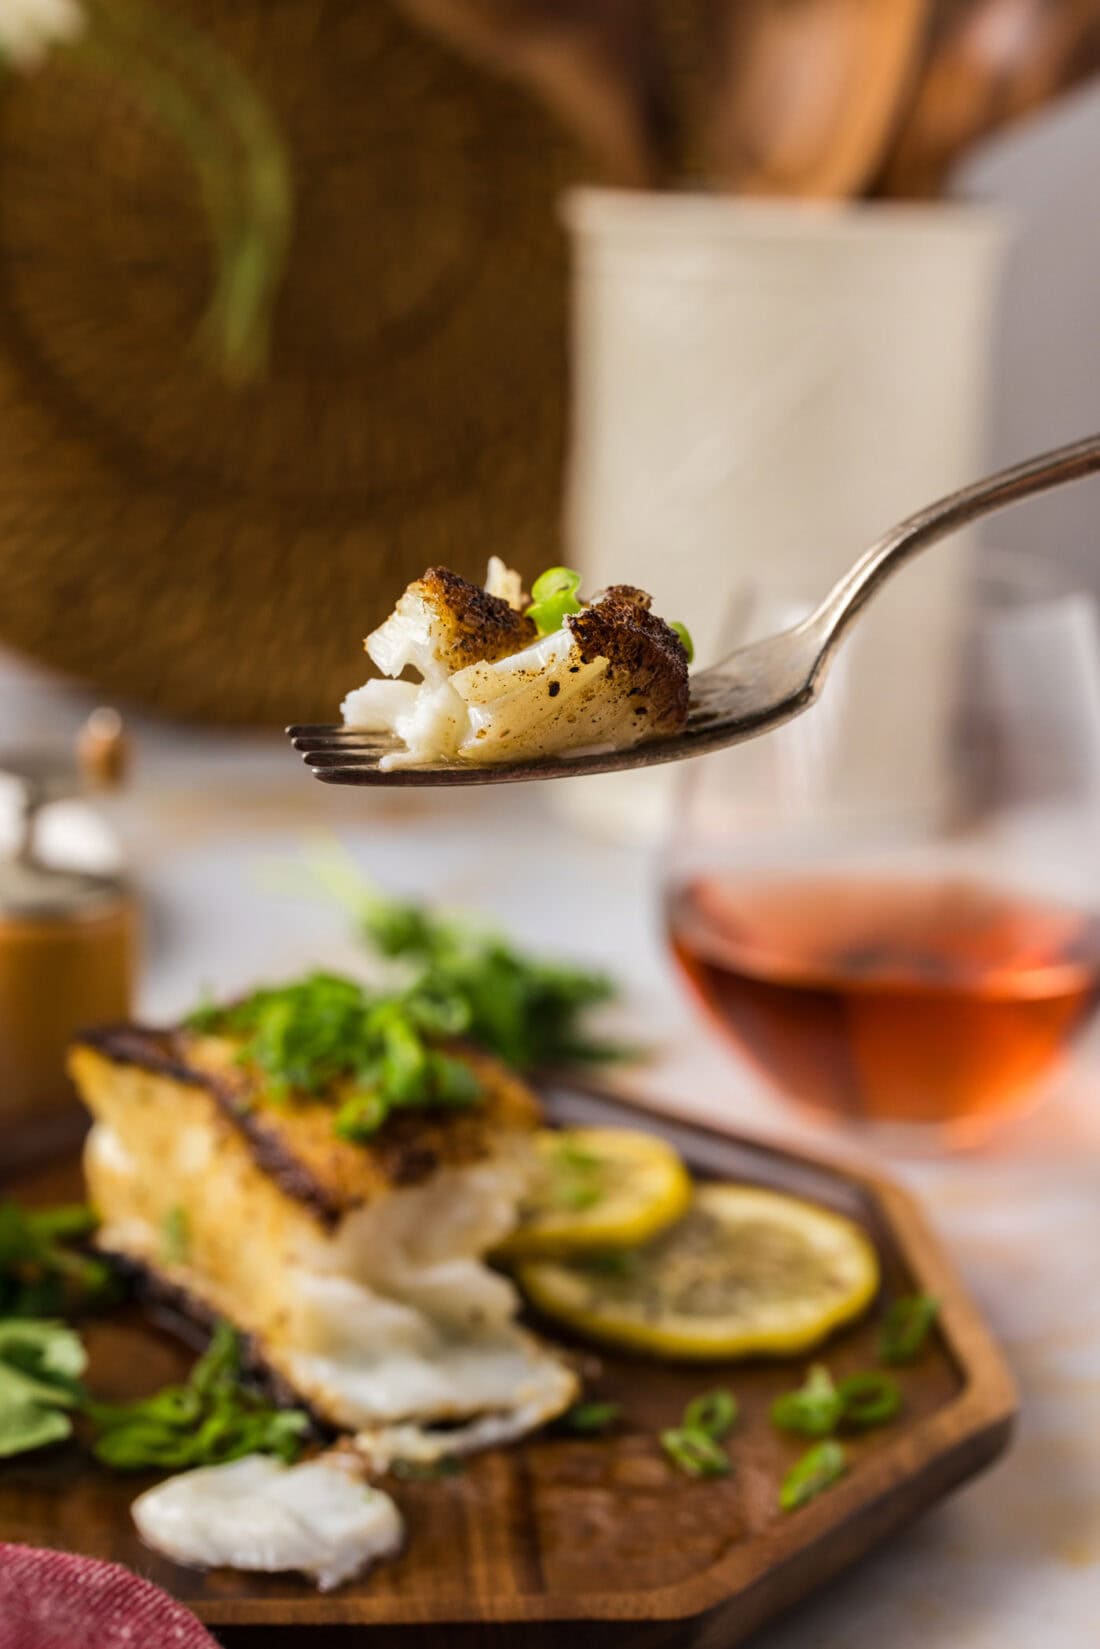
(1013, 1561)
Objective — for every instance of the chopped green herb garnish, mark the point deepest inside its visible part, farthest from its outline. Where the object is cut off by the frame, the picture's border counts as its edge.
(868, 1400)
(175, 1236)
(818, 1469)
(42, 1272)
(212, 1419)
(695, 1453)
(322, 1031)
(685, 640)
(40, 1368)
(814, 1410)
(427, 1471)
(553, 598)
(906, 1327)
(589, 1419)
(715, 1413)
(375, 1051)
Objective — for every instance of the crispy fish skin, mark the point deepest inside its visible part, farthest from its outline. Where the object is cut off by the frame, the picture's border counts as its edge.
(443, 622)
(293, 1142)
(646, 658)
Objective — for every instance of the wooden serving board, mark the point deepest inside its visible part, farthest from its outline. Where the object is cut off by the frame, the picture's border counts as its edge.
(563, 1541)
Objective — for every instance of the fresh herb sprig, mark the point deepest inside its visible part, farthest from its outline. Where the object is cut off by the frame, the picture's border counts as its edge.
(528, 1011)
(40, 1367)
(525, 1010)
(43, 1270)
(212, 1419)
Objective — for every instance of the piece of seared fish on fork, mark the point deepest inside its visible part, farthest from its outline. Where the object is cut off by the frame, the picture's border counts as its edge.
(355, 1268)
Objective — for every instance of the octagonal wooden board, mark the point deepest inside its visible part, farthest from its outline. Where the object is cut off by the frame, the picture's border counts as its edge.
(563, 1541)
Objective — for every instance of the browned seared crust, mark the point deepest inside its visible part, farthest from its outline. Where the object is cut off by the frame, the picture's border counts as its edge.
(293, 1141)
(484, 626)
(628, 592)
(639, 645)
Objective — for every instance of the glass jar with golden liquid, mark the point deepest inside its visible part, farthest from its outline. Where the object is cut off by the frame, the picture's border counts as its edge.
(67, 961)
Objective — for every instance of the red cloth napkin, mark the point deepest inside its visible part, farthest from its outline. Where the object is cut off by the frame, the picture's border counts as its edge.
(52, 1600)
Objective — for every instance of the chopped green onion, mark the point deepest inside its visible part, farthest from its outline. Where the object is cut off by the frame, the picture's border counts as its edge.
(553, 597)
(611, 1262)
(814, 1410)
(906, 1327)
(715, 1413)
(869, 1400)
(576, 1177)
(212, 1419)
(573, 1156)
(176, 1236)
(685, 640)
(555, 581)
(360, 1117)
(817, 1470)
(695, 1453)
(589, 1419)
(575, 1198)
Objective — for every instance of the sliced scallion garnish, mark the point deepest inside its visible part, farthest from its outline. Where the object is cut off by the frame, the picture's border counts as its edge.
(817, 1470)
(553, 598)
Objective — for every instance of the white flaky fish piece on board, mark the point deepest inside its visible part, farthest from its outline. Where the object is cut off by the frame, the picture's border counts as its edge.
(319, 1518)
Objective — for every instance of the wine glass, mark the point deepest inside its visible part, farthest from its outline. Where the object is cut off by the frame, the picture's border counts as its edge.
(891, 907)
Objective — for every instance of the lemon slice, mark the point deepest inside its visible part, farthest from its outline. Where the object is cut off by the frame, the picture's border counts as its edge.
(746, 1272)
(598, 1188)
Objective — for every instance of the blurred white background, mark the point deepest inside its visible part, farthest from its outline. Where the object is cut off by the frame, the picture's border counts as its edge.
(1047, 355)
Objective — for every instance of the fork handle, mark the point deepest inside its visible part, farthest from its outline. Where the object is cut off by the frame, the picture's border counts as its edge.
(936, 521)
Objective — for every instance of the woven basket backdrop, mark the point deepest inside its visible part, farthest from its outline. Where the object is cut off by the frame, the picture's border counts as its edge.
(216, 553)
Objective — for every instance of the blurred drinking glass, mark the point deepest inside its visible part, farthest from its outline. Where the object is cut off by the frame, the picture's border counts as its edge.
(900, 933)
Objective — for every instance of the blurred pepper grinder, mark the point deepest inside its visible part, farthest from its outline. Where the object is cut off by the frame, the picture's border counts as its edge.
(68, 939)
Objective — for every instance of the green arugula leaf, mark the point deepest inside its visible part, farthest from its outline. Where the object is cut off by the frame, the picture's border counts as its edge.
(28, 1426)
(40, 1368)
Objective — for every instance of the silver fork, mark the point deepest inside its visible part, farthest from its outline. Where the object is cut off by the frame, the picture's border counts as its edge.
(751, 690)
